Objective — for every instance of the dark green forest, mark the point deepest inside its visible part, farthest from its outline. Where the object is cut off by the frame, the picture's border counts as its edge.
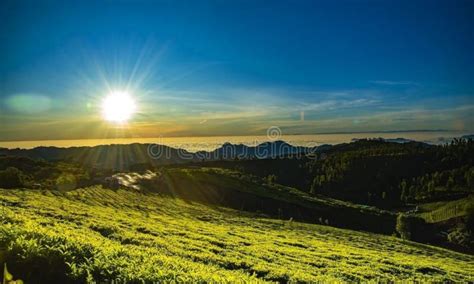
(374, 172)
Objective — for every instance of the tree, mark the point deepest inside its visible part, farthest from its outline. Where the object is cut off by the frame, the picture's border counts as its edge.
(271, 179)
(403, 226)
(66, 181)
(11, 178)
(314, 186)
(469, 177)
(404, 191)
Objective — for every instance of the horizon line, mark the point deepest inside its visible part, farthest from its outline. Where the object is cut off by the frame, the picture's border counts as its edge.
(256, 135)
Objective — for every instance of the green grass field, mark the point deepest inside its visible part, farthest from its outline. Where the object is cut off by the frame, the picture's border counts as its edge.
(100, 234)
(441, 211)
(243, 192)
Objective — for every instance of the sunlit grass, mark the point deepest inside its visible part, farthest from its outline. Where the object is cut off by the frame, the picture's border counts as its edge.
(102, 234)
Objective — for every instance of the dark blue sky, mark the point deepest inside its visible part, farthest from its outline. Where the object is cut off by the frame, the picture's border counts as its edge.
(204, 67)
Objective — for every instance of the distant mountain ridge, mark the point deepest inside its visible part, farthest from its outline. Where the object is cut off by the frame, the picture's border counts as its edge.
(262, 151)
(126, 157)
(122, 157)
(394, 140)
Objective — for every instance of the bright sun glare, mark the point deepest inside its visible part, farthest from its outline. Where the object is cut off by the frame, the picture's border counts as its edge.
(118, 107)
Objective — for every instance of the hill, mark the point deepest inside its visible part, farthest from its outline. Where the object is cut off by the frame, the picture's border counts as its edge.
(374, 172)
(128, 157)
(101, 234)
(361, 185)
(244, 192)
(233, 189)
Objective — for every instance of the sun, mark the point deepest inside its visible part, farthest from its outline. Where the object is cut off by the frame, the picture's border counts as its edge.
(118, 107)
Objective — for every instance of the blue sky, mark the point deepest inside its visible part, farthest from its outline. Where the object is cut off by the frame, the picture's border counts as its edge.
(235, 67)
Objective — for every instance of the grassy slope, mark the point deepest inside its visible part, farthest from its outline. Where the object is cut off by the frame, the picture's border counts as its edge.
(131, 236)
(441, 211)
(243, 192)
(234, 180)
